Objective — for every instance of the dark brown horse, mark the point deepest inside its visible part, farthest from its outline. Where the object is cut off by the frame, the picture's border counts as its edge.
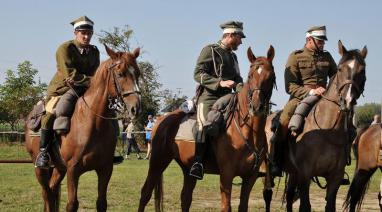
(368, 143)
(91, 142)
(322, 148)
(236, 152)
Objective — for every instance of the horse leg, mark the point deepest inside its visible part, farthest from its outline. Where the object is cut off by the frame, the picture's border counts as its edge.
(246, 187)
(43, 176)
(55, 186)
(267, 191)
(187, 190)
(73, 176)
(333, 184)
(158, 163)
(304, 195)
(104, 175)
(226, 179)
(290, 192)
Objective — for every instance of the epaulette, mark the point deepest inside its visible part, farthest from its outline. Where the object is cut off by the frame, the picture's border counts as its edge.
(298, 51)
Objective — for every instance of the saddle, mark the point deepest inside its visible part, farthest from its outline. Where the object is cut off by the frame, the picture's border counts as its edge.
(34, 120)
(217, 118)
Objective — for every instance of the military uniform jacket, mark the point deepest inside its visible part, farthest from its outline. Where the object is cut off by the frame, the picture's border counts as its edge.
(305, 69)
(214, 64)
(72, 64)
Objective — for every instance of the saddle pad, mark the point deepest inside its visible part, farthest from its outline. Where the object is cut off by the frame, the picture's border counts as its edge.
(52, 104)
(185, 129)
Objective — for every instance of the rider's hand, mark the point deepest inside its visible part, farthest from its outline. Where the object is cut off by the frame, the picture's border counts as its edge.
(227, 84)
(69, 81)
(317, 92)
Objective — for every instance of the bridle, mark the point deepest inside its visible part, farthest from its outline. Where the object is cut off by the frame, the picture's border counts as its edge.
(340, 101)
(116, 103)
(242, 119)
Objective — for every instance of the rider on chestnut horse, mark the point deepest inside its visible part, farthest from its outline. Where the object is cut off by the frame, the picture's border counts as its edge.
(217, 72)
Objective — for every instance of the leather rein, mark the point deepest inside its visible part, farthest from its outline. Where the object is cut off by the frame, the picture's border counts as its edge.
(114, 102)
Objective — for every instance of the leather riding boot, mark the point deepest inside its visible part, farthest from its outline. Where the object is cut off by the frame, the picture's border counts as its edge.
(197, 169)
(43, 158)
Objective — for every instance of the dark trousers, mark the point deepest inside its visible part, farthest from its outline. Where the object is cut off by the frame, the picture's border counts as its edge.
(132, 145)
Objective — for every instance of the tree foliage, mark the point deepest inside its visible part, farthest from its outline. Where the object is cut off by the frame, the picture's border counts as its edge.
(19, 93)
(365, 113)
(118, 39)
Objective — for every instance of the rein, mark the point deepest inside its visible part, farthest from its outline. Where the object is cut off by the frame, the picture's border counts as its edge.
(119, 92)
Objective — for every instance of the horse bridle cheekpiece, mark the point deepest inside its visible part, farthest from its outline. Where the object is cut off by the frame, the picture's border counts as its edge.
(264, 97)
(348, 82)
(116, 102)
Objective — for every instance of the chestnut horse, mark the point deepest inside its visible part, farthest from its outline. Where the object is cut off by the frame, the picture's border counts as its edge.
(238, 151)
(91, 142)
(368, 143)
(323, 147)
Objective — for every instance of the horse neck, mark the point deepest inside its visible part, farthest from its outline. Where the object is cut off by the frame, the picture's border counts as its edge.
(253, 128)
(96, 97)
(327, 112)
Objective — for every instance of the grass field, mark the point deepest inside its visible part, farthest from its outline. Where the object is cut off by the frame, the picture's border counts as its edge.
(19, 190)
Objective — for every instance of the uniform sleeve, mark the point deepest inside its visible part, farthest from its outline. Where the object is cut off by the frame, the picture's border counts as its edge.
(293, 81)
(203, 73)
(332, 66)
(66, 66)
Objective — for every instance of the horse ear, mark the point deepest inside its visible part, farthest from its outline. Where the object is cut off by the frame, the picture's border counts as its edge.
(110, 52)
(136, 52)
(251, 56)
(364, 52)
(341, 49)
(271, 53)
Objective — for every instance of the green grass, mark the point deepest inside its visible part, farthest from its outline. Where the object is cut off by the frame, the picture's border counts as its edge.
(19, 190)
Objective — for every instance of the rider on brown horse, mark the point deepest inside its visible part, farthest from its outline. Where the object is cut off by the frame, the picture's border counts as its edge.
(306, 74)
(217, 72)
(77, 61)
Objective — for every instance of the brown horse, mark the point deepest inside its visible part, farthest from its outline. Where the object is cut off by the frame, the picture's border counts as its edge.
(91, 142)
(322, 148)
(369, 143)
(238, 151)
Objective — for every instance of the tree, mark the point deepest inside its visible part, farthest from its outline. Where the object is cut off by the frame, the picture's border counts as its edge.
(171, 100)
(365, 113)
(118, 39)
(19, 93)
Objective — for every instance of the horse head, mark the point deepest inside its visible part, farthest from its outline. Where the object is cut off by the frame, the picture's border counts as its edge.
(261, 80)
(125, 74)
(351, 76)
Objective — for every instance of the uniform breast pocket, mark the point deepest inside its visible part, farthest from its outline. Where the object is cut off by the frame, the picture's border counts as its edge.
(323, 67)
(306, 68)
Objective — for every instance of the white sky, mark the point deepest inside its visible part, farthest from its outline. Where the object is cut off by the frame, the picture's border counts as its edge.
(172, 33)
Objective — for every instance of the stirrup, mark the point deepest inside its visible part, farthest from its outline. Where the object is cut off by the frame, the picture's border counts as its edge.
(197, 170)
(46, 165)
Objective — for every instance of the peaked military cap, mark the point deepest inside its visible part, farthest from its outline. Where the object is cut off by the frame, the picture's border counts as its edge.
(82, 23)
(317, 32)
(233, 27)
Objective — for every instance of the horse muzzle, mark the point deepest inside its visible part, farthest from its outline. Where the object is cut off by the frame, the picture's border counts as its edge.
(132, 105)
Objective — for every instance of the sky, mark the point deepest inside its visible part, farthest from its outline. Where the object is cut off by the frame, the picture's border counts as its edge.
(172, 33)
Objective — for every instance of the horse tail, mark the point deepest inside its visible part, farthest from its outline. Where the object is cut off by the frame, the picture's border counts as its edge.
(159, 194)
(357, 189)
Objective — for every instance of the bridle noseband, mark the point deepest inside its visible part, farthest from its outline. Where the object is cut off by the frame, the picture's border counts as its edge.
(115, 102)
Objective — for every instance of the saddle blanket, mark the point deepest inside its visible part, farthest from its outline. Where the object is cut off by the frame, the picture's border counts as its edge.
(185, 131)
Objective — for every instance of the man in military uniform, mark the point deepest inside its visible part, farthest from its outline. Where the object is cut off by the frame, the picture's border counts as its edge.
(77, 61)
(217, 72)
(306, 73)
